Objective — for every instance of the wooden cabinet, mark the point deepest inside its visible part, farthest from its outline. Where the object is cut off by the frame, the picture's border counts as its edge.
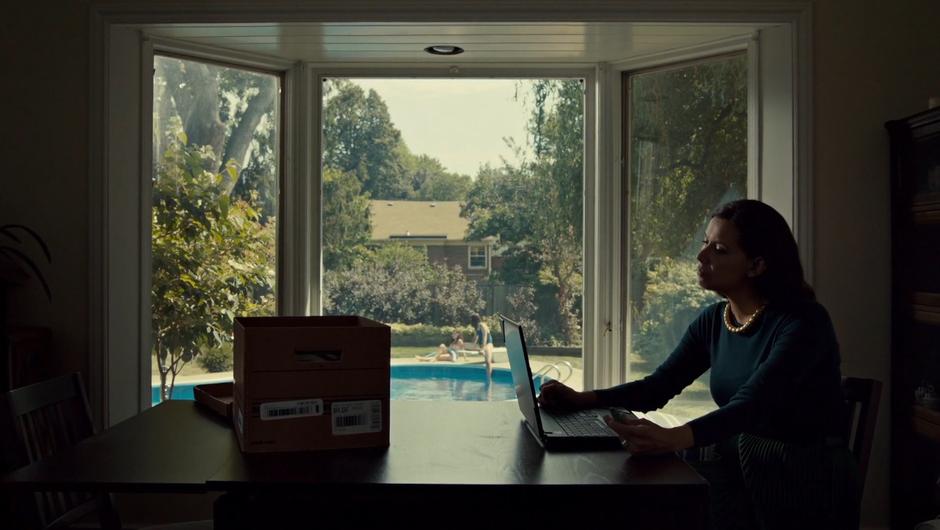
(24, 350)
(28, 352)
(915, 315)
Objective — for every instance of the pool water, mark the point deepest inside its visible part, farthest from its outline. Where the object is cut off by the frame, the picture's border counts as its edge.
(423, 382)
(451, 383)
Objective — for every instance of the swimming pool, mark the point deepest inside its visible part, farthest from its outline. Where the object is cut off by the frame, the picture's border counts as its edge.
(422, 382)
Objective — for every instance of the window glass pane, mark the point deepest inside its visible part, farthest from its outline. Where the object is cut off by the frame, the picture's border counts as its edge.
(215, 205)
(478, 257)
(454, 166)
(688, 152)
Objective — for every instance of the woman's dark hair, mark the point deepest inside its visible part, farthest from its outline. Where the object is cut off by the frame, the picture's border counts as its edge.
(764, 233)
(475, 319)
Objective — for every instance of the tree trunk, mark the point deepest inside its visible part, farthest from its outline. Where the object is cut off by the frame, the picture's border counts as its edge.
(164, 394)
(197, 103)
(237, 146)
(169, 390)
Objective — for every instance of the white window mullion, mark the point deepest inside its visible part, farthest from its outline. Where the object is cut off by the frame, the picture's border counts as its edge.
(123, 371)
(608, 360)
(598, 351)
(292, 281)
(754, 141)
(145, 336)
(313, 196)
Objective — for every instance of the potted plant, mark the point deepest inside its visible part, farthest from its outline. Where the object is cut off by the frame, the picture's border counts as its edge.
(16, 267)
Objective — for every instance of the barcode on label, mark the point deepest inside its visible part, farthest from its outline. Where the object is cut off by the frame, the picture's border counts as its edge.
(291, 409)
(357, 417)
(347, 421)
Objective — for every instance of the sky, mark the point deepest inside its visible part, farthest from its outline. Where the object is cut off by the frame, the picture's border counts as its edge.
(460, 122)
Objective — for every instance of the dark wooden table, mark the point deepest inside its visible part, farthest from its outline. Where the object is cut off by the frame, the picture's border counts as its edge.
(462, 464)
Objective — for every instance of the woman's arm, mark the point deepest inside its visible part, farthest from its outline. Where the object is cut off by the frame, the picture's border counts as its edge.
(688, 361)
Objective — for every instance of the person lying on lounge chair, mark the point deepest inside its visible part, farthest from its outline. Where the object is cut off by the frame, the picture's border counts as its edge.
(446, 353)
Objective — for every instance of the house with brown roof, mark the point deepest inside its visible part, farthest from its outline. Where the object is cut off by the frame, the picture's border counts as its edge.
(437, 229)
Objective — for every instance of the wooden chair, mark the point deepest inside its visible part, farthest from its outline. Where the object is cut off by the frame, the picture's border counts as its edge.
(36, 422)
(861, 398)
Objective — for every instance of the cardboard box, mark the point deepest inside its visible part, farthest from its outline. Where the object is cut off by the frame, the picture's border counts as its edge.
(217, 397)
(311, 383)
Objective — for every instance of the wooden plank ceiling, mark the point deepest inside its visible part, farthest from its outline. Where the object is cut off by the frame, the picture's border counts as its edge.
(484, 42)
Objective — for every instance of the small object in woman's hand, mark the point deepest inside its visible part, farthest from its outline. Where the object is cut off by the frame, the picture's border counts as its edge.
(622, 415)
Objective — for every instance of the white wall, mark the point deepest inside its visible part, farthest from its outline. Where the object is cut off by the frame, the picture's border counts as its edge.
(875, 61)
(44, 174)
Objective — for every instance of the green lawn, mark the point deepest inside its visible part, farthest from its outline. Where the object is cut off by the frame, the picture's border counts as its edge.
(409, 352)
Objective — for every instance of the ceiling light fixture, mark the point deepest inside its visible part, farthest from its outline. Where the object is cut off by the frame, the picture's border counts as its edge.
(444, 49)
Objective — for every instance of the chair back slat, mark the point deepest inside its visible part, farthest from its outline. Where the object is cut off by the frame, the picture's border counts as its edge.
(47, 418)
(40, 395)
(861, 397)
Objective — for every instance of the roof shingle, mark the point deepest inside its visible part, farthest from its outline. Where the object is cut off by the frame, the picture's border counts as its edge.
(417, 220)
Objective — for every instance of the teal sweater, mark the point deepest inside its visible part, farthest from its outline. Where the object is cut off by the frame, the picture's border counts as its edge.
(780, 379)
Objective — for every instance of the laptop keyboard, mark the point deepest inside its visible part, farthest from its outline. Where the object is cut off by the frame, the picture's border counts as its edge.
(582, 423)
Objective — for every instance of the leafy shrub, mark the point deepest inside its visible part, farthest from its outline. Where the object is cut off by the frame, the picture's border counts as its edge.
(217, 359)
(521, 302)
(426, 334)
(671, 301)
(397, 283)
(212, 255)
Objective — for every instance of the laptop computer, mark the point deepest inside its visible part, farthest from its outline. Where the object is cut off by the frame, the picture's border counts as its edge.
(577, 430)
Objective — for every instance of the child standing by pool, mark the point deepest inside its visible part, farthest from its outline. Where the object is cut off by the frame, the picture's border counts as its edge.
(483, 342)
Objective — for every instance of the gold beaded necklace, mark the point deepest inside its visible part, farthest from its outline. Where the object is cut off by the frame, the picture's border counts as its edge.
(747, 323)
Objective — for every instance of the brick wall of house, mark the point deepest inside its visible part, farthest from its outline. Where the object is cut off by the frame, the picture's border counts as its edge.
(451, 255)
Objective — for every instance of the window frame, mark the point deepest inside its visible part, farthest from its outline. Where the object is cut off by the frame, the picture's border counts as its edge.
(737, 47)
(778, 168)
(167, 48)
(117, 155)
(318, 71)
(486, 258)
(128, 325)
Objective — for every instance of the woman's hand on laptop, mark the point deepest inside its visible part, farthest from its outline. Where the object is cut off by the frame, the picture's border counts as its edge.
(558, 396)
(643, 437)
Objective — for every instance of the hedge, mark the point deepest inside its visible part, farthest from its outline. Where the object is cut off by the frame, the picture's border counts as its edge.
(426, 334)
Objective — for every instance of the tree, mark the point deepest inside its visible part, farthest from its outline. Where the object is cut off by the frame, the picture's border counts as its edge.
(215, 204)
(347, 227)
(428, 180)
(212, 258)
(690, 139)
(689, 155)
(536, 209)
(230, 111)
(558, 135)
(360, 138)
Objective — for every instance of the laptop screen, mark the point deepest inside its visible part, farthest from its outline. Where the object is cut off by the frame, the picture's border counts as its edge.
(521, 372)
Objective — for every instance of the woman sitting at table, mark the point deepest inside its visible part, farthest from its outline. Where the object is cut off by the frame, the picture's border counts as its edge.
(776, 456)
